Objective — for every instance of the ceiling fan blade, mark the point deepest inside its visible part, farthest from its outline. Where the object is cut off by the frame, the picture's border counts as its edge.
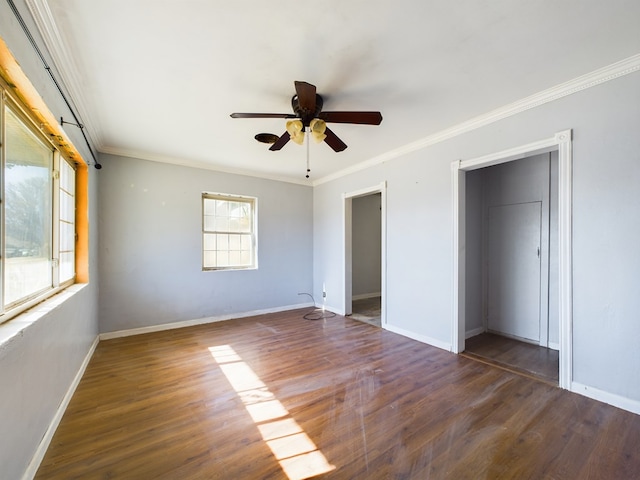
(262, 115)
(362, 118)
(333, 141)
(306, 96)
(281, 142)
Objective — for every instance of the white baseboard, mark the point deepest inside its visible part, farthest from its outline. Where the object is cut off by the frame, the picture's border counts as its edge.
(336, 310)
(34, 464)
(624, 403)
(554, 346)
(198, 321)
(473, 332)
(420, 338)
(363, 296)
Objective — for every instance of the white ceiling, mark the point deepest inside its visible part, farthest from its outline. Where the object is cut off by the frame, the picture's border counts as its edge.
(158, 79)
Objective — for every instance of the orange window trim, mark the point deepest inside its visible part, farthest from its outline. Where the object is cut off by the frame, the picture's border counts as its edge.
(24, 91)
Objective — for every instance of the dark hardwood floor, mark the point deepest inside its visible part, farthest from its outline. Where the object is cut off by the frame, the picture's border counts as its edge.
(521, 357)
(280, 397)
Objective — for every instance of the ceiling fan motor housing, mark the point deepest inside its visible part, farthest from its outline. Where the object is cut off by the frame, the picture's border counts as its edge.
(304, 114)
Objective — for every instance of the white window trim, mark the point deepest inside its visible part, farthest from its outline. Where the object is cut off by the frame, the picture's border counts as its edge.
(254, 229)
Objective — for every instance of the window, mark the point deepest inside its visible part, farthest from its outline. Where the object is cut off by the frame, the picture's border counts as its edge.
(228, 232)
(37, 231)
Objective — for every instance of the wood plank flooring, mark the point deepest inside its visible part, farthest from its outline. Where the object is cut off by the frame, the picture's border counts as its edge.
(518, 356)
(367, 310)
(280, 397)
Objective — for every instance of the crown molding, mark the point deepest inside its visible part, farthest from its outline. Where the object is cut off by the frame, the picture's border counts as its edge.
(592, 79)
(65, 66)
(201, 165)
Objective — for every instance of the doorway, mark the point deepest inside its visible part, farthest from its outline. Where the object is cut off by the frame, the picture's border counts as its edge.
(507, 218)
(511, 226)
(365, 255)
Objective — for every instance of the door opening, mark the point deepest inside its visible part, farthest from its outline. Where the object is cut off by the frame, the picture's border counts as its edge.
(505, 219)
(365, 255)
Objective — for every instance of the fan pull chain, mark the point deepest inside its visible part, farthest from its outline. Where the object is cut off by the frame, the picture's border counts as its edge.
(308, 141)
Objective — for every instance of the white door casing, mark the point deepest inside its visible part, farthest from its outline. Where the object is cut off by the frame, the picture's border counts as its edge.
(561, 142)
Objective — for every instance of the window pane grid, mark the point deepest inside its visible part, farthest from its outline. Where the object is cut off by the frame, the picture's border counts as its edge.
(66, 224)
(67, 207)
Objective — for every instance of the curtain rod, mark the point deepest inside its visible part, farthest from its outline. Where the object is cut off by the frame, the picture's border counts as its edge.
(33, 43)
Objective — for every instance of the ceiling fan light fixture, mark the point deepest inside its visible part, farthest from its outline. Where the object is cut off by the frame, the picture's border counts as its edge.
(295, 131)
(318, 128)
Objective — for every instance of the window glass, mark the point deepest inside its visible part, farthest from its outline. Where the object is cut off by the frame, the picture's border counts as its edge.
(27, 211)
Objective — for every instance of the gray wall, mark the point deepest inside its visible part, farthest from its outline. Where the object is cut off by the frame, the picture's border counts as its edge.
(554, 255)
(151, 245)
(39, 364)
(366, 241)
(606, 203)
(474, 279)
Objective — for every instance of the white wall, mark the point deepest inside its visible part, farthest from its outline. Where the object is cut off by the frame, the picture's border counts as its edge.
(39, 359)
(367, 241)
(151, 246)
(606, 210)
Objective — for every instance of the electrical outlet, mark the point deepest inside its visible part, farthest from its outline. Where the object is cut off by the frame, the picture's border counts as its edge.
(324, 294)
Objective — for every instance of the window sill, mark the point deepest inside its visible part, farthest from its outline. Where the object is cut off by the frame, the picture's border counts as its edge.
(228, 269)
(16, 326)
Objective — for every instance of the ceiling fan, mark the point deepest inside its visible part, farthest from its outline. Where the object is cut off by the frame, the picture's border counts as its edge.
(308, 114)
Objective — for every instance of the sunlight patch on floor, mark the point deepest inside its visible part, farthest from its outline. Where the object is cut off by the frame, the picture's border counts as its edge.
(298, 456)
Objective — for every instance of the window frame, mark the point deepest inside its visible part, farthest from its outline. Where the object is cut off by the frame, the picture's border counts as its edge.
(8, 311)
(253, 202)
